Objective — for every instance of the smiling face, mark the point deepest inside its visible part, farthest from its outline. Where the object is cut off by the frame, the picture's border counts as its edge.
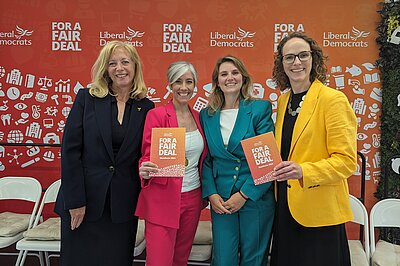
(298, 72)
(182, 88)
(121, 70)
(230, 80)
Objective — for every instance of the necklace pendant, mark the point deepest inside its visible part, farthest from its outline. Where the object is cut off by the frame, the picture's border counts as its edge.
(186, 162)
(297, 110)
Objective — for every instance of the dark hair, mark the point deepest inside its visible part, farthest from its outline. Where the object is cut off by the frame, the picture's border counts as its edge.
(318, 69)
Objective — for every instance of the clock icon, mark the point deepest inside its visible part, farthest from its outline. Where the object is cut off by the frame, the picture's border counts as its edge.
(13, 93)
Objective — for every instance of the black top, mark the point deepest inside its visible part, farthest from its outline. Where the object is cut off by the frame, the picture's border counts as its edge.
(118, 130)
(287, 133)
(288, 125)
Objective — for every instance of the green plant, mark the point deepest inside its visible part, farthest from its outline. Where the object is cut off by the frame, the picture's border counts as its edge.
(389, 65)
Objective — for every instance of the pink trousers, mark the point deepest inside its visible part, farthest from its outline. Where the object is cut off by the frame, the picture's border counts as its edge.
(166, 246)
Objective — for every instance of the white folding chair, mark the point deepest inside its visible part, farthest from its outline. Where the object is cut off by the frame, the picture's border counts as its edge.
(359, 252)
(43, 237)
(140, 243)
(385, 213)
(202, 245)
(12, 225)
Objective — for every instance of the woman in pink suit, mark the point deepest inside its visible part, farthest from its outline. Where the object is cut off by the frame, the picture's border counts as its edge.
(171, 206)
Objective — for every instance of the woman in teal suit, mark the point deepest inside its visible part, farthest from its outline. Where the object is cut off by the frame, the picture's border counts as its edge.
(242, 213)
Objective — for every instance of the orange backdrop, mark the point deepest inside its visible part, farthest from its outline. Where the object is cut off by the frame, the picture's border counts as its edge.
(47, 49)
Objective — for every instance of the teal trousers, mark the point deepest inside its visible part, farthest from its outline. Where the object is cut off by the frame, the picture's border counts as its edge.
(243, 238)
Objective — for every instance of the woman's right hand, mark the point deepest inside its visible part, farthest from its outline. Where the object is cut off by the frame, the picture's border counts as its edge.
(77, 217)
(217, 204)
(287, 170)
(146, 168)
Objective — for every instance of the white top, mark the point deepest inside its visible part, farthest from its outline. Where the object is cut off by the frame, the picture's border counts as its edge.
(193, 149)
(227, 122)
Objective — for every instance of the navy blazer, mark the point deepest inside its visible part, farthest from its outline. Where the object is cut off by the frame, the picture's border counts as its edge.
(225, 168)
(88, 166)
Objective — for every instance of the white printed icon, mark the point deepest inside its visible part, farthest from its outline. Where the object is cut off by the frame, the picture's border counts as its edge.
(354, 70)
(200, 104)
(14, 77)
(13, 93)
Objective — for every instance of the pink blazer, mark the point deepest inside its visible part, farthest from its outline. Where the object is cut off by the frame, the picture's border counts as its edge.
(160, 198)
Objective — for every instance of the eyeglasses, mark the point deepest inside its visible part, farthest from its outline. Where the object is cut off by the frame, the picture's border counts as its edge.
(302, 56)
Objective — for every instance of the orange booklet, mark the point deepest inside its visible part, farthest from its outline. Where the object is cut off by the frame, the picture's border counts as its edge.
(168, 151)
(262, 155)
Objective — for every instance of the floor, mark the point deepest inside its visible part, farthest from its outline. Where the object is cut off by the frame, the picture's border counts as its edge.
(33, 260)
(54, 261)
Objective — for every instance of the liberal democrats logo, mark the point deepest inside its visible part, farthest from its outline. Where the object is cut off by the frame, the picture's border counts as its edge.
(359, 34)
(22, 32)
(240, 39)
(130, 35)
(19, 37)
(244, 34)
(353, 39)
(134, 34)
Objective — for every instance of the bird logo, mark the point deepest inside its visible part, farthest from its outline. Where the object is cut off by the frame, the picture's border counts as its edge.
(134, 33)
(21, 32)
(357, 34)
(244, 34)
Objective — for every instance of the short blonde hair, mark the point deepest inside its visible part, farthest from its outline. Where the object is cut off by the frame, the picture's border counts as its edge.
(179, 68)
(101, 82)
(217, 99)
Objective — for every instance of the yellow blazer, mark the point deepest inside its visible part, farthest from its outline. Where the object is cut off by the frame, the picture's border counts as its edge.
(324, 145)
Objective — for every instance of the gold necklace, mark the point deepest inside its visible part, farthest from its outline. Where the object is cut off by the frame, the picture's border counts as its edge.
(186, 159)
(188, 131)
(188, 127)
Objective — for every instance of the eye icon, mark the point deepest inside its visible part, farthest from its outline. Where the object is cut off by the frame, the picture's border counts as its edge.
(361, 136)
(20, 106)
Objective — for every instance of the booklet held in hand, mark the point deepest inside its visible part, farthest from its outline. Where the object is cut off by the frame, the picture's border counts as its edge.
(262, 155)
(168, 151)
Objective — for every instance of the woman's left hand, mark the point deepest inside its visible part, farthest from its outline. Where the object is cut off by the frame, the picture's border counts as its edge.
(77, 216)
(287, 170)
(235, 202)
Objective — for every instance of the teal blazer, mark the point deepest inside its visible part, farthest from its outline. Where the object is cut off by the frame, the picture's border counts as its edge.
(224, 169)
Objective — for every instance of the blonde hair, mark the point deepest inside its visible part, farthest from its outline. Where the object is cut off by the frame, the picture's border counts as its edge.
(101, 82)
(179, 68)
(217, 99)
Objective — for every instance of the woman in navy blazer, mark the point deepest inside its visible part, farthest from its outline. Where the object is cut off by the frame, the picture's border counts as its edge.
(99, 162)
(242, 213)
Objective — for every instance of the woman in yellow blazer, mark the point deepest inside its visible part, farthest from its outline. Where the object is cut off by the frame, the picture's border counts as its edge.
(316, 132)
